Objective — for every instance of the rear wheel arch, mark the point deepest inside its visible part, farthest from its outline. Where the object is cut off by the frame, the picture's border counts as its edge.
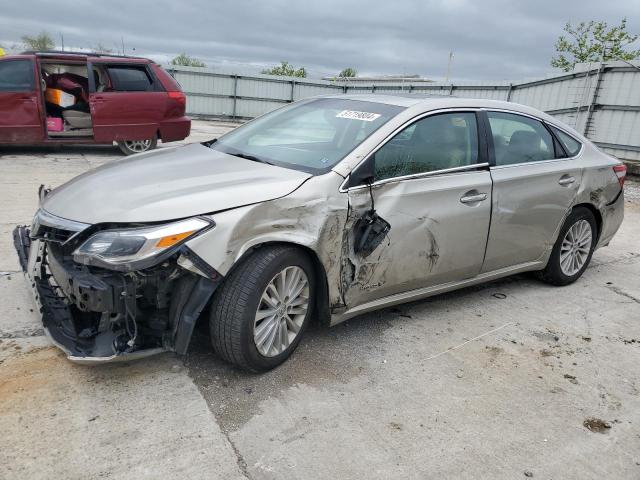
(596, 214)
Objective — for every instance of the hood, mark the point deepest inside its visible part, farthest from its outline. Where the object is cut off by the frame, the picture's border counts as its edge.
(168, 184)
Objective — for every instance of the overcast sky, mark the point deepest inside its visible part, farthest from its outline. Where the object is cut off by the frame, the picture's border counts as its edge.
(491, 39)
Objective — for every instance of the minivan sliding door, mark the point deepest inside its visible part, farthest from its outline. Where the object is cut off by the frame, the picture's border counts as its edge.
(20, 115)
(126, 101)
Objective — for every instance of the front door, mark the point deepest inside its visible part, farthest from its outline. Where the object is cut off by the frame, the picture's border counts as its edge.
(434, 189)
(532, 190)
(126, 101)
(20, 114)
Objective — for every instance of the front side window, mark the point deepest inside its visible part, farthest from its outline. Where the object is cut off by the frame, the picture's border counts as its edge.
(518, 139)
(130, 79)
(437, 142)
(310, 136)
(16, 76)
(570, 144)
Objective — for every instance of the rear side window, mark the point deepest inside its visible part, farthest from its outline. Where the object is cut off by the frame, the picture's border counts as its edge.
(130, 79)
(16, 76)
(570, 144)
(437, 142)
(518, 139)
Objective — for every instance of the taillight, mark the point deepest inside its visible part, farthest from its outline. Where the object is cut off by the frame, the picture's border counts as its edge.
(178, 97)
(621, 173)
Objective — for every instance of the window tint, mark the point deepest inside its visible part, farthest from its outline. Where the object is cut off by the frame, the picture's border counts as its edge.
(434, 143)
(570, 144)
(518, 139)
(130, 79)
(16, 76)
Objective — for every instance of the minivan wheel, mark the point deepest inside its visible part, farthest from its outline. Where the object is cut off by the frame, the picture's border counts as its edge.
(131, 147)
(260, 312)
(573, 249)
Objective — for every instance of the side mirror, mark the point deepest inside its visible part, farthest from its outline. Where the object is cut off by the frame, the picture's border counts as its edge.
(208, 143)
(363, 174)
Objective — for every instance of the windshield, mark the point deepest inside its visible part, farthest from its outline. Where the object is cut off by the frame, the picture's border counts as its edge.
(310, 136)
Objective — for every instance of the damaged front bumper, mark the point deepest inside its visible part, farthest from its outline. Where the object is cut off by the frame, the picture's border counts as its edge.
(97, 315)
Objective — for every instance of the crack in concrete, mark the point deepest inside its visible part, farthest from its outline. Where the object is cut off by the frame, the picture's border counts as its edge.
(622, 293)
(240, 461)
(451, 349)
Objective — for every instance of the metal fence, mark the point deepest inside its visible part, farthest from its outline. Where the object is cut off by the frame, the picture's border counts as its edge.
(600, 100)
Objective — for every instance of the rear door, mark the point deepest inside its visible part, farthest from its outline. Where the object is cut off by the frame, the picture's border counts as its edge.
(127, 102)
(20, 113)
(433, 186)
(533, 188)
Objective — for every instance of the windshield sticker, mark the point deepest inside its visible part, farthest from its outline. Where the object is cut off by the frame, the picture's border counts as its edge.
(354, 115)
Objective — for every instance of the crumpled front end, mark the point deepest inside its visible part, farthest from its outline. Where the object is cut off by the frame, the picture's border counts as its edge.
(96, 314)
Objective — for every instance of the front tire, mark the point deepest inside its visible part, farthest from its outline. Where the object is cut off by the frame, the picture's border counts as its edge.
(573, 249)
(261, 311)
(131, 147)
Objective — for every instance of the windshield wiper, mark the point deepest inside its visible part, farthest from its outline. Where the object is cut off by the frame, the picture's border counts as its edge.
(250, 157)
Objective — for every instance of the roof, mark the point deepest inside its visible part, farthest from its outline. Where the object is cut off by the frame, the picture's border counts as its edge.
(399, 100)
(70, 55)
(434, 102)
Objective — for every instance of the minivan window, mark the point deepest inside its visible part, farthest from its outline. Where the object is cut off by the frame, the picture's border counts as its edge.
(519, 139)
(16, 76)
(570, 144)
(130, 79)
(311, 136)
(437, 142)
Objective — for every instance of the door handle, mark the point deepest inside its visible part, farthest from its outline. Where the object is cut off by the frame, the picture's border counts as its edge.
(473, 197)
(566, 180)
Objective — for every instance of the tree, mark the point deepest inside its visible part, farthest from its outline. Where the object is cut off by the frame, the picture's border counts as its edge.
(348, 72)
(40, 42)
(100, 48)
(593, 42)
(186, 61)
(285, 69)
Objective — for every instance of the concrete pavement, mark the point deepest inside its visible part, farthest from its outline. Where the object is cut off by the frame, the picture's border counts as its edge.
(489, 382)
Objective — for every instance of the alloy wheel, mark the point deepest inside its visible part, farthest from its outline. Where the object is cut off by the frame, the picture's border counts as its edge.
(138, 146)
(575, 248)
(281, 312)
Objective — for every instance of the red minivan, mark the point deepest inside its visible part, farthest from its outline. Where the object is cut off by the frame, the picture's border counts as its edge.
(64, 97)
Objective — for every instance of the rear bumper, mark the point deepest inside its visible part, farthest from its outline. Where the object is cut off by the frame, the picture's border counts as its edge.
(175, 129)
(89, 316)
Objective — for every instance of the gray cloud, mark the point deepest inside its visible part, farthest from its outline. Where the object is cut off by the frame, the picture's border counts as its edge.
(492, 39)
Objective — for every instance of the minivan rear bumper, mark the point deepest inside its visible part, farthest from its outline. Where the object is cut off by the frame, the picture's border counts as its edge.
(175, 129)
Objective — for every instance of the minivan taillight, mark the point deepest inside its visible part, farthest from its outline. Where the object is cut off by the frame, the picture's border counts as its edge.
(176, 104)
(621, 173)
(178, 96)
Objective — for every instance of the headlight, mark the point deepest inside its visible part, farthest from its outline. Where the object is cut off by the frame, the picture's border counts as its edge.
(136, 248)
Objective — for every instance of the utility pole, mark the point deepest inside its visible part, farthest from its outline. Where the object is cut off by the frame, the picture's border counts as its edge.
(122, 40)
(62, 40)
(446, 80)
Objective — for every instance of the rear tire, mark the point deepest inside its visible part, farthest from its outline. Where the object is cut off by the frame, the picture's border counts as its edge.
(245, 317)
(573, 249)
(131, 147)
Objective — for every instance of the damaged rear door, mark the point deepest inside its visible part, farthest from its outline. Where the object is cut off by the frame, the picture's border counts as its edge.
(534, 188)
(430, 182)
